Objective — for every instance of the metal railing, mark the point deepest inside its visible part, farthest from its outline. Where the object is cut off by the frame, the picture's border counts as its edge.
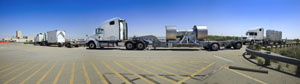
(280, 58)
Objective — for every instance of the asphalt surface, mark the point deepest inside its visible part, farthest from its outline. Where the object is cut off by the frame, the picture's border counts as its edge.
(29, 64)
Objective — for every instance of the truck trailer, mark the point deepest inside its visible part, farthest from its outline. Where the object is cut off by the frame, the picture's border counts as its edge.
(55, 37)
(114, 32)
(257, 36)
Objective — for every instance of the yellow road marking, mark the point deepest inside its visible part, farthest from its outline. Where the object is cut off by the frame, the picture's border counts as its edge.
(72, 73)
(7, 65)
(38, 70)
(13, 78)
(140, 68)
(195, 66)
(85, 73)
(59, 73)
(179, 76)
(172, 68)
(99, 73)
(247, 76)
(44, 76)
(116, 73)
(148, 81)
(192, 75)
(185, 67)
(6, 69)
(9, 73)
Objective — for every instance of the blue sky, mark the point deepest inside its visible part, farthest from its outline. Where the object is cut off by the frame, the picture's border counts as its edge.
(145, 17)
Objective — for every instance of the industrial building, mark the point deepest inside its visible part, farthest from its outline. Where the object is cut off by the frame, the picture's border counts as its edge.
(19, 38)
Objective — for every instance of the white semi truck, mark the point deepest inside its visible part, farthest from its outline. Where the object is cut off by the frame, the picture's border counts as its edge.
(257, 36)
(114, 32)
(55, 37)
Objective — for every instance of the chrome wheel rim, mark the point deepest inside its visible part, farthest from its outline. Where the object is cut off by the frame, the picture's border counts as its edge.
(140, 45)
(129, 45)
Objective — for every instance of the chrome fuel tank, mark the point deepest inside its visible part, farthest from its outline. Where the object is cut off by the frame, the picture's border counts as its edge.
(198, 32)
(171, 32)
(201, 32)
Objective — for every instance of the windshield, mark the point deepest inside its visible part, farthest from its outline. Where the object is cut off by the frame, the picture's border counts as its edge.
(251, 33)
(100, 31)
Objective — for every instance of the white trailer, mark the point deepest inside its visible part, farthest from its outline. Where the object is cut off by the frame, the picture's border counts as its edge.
(55, 37)
(257, 36)
(115, 31)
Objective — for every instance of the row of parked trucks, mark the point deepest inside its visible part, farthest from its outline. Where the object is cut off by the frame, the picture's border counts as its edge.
(114, 32)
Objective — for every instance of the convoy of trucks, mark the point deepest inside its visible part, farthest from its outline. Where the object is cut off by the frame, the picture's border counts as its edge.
(257, 36)
(115, 31)
(55, 37)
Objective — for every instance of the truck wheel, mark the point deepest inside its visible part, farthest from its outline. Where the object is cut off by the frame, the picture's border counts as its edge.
(69, 45)
(214, 47)
(59, 45)
(129, 46)
(92, 45)
(237, 46)
(43, 43)
(140, 46)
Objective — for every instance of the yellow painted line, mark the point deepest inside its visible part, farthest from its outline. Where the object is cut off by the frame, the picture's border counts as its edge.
(99, 73)
(13, 71)
(38, 70)
(72, 73)
(6, 65)
(179, 76)
(116, 73)
(6, 69)
(59, 73)
(185, 67)
(132, 72)
(28, 69)
(140, 68)
(85, 73)
(192, 75)
(172, 68)
(45, 75)
(247, 76)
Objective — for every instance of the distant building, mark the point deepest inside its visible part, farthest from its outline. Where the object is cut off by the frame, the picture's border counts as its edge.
(19, 34)
(19, 38)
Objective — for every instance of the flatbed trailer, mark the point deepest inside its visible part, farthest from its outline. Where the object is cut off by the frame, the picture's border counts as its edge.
(114, 32)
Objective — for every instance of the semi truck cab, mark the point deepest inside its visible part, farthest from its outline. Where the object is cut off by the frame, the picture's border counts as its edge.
(109, 34)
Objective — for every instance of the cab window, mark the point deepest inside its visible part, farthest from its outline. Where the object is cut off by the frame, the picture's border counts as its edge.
(112, 23)
(100, 31)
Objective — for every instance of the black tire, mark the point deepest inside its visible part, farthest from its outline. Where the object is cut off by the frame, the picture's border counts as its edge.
(214, 47)
(43, 44)
(92, 45)
(60, 45)
(237, 45)
(68, 45)
(140, 46)
(129, 45)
